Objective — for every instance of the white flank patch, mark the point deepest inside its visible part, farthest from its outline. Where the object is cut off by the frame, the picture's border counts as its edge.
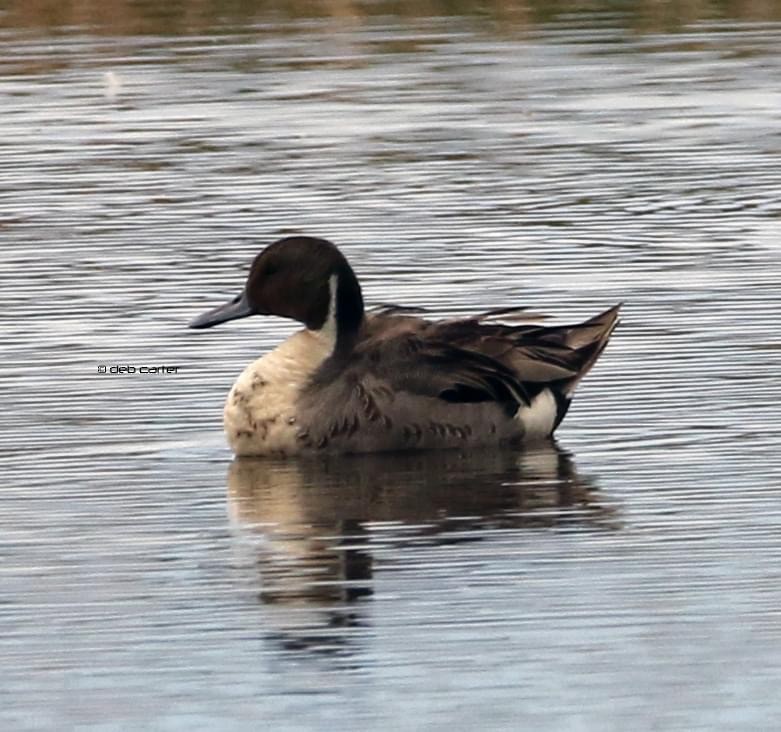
(539, 417)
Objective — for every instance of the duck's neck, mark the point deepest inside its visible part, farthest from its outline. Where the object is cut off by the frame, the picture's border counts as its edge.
(345, 312)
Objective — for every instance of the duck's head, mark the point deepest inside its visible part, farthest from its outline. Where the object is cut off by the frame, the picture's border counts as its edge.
(302, 278)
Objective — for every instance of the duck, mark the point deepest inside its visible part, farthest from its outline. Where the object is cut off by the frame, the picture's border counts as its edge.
(358, 380)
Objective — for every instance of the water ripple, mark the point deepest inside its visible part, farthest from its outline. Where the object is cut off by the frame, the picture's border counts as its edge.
(629, 573)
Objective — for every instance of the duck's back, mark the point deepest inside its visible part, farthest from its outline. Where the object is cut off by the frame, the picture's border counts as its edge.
(411, 383)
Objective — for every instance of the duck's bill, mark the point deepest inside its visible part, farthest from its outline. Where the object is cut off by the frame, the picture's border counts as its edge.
(233, 310)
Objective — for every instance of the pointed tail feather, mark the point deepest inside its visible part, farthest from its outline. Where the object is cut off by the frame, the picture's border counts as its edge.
(590, 339)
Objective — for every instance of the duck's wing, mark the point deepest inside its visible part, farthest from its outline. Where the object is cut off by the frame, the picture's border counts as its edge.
(401, 355)
(471, 360)
(410, 381)
(398, 389)
(429, 367)
(462, 361)
(536, 354)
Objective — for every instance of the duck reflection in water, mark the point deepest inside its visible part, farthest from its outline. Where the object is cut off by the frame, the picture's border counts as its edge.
(312, 527)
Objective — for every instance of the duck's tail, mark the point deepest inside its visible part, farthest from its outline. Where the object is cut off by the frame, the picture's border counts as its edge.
(588, 340)
(537, 366)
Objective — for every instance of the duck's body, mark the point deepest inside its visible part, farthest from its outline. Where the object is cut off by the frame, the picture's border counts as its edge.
(387, 380)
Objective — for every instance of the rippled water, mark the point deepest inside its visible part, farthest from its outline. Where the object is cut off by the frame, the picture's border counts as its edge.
(627, 578)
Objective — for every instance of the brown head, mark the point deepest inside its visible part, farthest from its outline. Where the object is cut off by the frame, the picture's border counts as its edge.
(299, 277)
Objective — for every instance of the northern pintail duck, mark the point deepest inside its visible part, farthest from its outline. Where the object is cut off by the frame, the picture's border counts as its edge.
(353, 381)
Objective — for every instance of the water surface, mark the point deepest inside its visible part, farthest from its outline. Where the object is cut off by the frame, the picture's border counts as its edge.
(625, 578)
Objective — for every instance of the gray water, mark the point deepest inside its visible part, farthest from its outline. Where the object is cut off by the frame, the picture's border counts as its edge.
(627, 577)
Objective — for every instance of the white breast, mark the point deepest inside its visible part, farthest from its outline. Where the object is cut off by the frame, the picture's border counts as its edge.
(539, 418)
(260, 416)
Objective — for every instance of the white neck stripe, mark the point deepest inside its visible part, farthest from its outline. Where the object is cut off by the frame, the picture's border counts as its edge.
(328, 331)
